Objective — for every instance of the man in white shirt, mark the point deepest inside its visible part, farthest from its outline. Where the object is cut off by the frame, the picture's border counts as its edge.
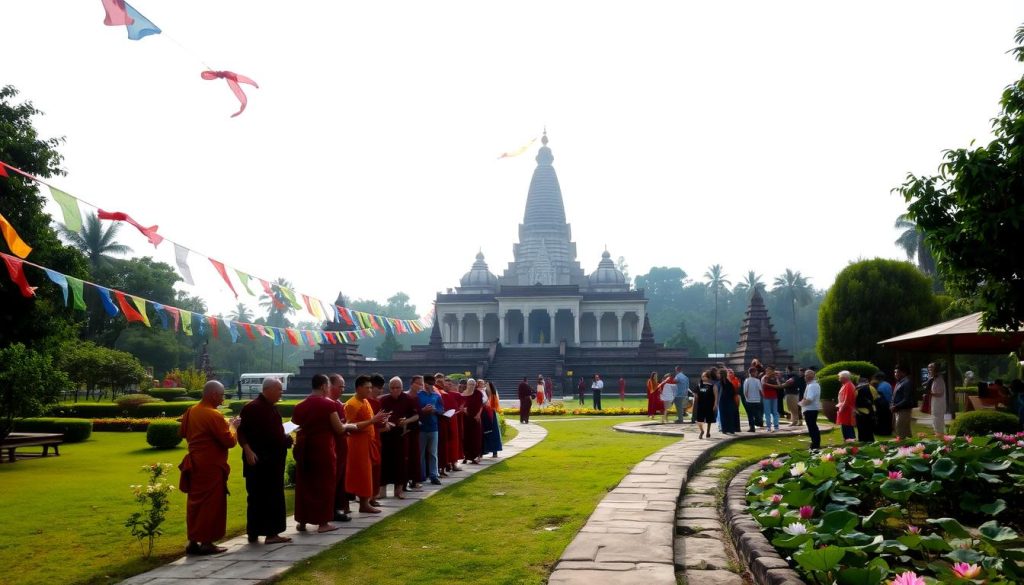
(596, 387)
(752, 400)
(811, 405)
(682, 392)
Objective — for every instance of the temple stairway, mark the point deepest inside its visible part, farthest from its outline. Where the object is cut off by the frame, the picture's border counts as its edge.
(512, 363)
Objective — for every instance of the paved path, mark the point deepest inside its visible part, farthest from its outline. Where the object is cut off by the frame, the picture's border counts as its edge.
(661, 519)
(247, 564)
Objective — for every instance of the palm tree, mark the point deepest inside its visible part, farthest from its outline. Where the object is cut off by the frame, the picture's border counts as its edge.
(241, 313)
(717, 281)
(749, 283)
(797, 291)
(98, 244)
(912, 242)
(277, 312)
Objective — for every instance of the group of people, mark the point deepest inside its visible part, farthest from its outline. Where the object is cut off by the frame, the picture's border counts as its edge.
(384, 435)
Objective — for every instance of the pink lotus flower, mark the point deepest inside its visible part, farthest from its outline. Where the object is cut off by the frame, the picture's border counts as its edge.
(908, 578)
(948, 438)
(776, 463)
(913, 529)
(806, 512)
(965, 571)
(828, 457)
(765, 463)
(904, 452)
(854, 450)
(774, 513)
(776, 498)
(877, 462)
(839, 451)
(918, 448)
(969, 438)
(884, 448)
(895, 475)
(925, 456)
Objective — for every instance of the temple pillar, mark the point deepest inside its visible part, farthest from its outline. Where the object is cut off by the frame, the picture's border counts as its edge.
(480, 321)
(551, 331)
(618, 318)
(501, 326)
(576, 326)
(458, 328)
(597, 317)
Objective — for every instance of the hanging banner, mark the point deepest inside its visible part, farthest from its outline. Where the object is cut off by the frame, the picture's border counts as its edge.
(17, 246)
(181, 257)
(60, 280)
(69, 208)
(150, 232)
(16, 270)
(223, 274)
(108, 305)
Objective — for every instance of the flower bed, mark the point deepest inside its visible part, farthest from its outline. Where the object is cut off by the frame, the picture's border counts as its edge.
(562, 411)
(901, 511)
(120, 425)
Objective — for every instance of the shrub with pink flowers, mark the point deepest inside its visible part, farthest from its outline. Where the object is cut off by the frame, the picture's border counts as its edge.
(906, 512)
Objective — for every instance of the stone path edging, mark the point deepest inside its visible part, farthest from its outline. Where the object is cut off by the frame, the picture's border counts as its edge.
(248, 564)
(630, 539)
(764, 562)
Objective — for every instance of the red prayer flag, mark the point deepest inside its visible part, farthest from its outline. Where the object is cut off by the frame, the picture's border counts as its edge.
(270, 293)
(223, 274)
(248, 331)
(213, 325)
(127, 308)
(345, 314)
(293, 338)
(150, 232)
(3, 170)
(117, 15)
(233, 79)
(16, 270)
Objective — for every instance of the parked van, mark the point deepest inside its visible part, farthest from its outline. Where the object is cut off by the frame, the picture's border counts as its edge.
(249, 385)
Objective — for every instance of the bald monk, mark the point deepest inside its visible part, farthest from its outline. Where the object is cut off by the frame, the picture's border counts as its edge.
(204, 470)
(342, 509)
(403, 410)
(264, 451)
(453, 401)
(359, 466)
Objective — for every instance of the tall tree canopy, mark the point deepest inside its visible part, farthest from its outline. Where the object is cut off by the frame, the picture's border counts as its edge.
(972, 214)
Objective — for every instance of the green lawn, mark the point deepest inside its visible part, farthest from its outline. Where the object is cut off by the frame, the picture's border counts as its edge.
(493, 527)
(64, 515)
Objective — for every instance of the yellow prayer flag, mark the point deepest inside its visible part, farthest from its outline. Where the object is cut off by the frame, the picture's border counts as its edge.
(140, 304)
(18, 247)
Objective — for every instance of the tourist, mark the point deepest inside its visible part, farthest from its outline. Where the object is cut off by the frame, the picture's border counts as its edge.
(264, 452)
(490, 423)
(549, 389)
(622, 389)
(846, 409)
(752, 399)
(883, 416)
(453, 401)
(582, 389)
(792, 392)
(525, 401)
(596, 388)
(402, 410)
(811, 405)
(540, 392)
(865, 403)
(705, 404)
(666, 394)
(431, 408)
(770, 391)
(205, 469)
(682, 393)
(362, 441)
(883, 387)
(492, 397)
(728, 402)
(412, 437)
(315, 457)
(473, 438)
(654, 404)
(937, 395)
(903, 402)
(342, 509)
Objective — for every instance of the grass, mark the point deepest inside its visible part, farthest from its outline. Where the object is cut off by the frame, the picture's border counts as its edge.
(508, 524)
(65, 515)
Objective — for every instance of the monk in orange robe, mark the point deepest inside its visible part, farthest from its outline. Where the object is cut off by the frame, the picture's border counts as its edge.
(359, 466)
(204, 470)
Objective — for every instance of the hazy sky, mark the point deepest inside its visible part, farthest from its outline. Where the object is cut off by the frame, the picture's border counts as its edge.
(759, 135)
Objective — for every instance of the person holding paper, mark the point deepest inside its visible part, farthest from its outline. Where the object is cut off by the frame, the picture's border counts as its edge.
(361, 444)
(402, 408)
(265, 447)
(452, 400)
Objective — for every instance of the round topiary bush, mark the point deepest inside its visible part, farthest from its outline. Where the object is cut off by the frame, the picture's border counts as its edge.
(168, 394)
(164, 434)
(135, 400)
(828, 377)
(75, 430)
(984, 422)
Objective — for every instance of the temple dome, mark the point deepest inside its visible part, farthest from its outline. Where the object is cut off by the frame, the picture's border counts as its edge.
(479, 278)
(607, 276)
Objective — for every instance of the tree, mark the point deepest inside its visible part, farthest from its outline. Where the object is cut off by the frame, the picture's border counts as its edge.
(241, 313)
(972, 214)
(683, 339)
(278, 308)
(95, 367)
(794, 288)
(872, 300)
(28, 382)
(98, 243)
(388, 347)
(621, 265)
(717, 282)
(41, 322)
(912, 242)
(752, 281)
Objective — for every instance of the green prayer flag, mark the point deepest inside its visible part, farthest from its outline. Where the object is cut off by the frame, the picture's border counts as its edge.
(244, 279)
(290, 297)
(69, 206)
(76, 293)
(186, 322)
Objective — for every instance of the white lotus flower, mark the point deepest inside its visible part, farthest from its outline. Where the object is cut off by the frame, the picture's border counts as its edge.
(798, 469)
(795, 529)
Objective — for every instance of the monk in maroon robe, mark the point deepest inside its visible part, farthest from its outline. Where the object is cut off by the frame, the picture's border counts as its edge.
(377, 383)
(473, 438)
(443, 428)
(412, 438)
(264, 451)
(342, 508)
(452, 400)
(204, 470)
(403, 410)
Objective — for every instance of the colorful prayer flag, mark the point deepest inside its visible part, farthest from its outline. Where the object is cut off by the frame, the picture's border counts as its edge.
(140, 304)
(116, 13)
(518, 151)
(140, 27)
(108, 305)
(150, 232)
(248, 331)
(181, 257)
(271, 295)
(213, 325)
(175, 314)
(3, 171)
(16, 270)
(129, 311)
(293, 337)
(232, 330)
(244, 279)
(232, 79)
(223, 274)
(161, 313)
(186, 322)
(277, 335)
(17, 246)
(58, 279)
(69, 208)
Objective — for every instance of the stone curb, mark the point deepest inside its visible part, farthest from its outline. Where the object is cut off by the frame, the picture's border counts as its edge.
(249, 564)
(762, 560)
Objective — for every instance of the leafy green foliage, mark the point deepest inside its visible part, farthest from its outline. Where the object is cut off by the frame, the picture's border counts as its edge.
(135, 400)
(168, 394)
(154, 502)
(94, 366)
(388, 347)
(872, 300)
(164, 434)
(75, 430)
(984, 422)
(828, 376)
(28, 383)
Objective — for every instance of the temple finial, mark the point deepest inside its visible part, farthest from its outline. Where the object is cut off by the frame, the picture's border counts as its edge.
(544, 136)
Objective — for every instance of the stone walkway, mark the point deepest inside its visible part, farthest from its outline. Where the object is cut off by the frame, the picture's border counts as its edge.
(247, 564)
(663, 519)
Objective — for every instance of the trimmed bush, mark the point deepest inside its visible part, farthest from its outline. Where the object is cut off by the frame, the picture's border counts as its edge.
(120, 425)
(164, 434)
(829, 380)
(134, 400)
(163, 409)
(75, 430)
(983, 423)
(197, 394)
(87, 410)
(285, 407)
(168, 394)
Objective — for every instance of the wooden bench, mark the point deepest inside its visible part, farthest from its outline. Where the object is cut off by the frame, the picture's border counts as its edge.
(16, 441)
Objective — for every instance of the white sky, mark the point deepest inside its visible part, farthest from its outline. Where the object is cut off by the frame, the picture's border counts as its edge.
(759, 135)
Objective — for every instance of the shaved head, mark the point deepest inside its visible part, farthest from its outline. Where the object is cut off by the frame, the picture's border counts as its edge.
(213, 393)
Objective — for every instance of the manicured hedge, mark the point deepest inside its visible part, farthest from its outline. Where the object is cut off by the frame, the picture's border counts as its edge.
(984, 422)
(109, 410)
(134, 400)
(285, 407)
(75, 430)
(168, 394)
(163, 409)
(829, 380)
(120, 425)
(164, 434)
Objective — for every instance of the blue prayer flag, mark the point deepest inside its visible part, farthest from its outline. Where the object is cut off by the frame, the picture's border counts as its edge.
(60, 281)
(141, 27)
(108, 305)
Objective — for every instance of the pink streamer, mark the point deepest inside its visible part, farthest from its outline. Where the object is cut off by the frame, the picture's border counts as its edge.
(233, 79)
(116, 13)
